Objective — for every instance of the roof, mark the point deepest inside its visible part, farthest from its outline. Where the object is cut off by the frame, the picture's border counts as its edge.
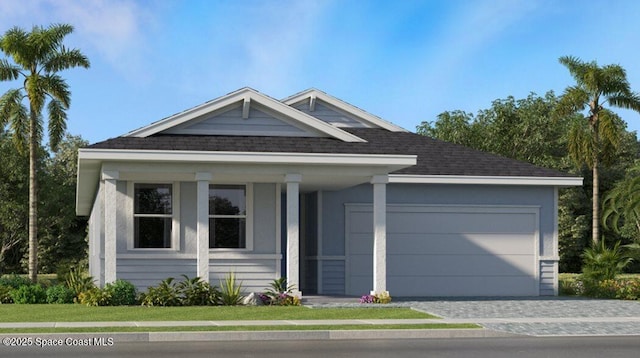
(434, 157)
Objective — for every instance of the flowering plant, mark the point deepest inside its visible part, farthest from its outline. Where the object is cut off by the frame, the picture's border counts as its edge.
(382, 297)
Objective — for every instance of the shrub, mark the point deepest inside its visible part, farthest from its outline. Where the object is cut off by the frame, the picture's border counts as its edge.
(195, 292)
(603, 263)
(620, 288)
(59, 294)
(230, 291)
(14, 281)
(95, 297)
(280, 294)
(121, 293)
(5, 294)
(29, 294)
(383, 297)
(78, 281)
(165, 294)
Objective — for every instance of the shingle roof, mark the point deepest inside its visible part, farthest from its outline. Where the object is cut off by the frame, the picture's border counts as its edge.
(435, 157)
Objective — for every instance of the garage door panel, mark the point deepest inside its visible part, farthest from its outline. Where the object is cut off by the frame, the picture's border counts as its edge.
(418, 222)
(463, 286)
(459, 265)
(450, 244)
(448, 251)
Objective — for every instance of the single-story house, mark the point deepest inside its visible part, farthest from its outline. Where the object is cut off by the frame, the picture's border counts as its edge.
(319, 191)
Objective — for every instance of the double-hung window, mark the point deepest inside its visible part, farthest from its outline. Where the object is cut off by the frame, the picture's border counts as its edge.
(152, 216)
(227, 216)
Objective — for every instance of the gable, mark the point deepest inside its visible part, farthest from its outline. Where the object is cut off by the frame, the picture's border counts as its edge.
(330, 114)
(259, 121)
(271, 118)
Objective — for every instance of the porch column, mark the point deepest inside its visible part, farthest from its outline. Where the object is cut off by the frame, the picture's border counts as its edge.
(379, 233)
(202, 227)
(293, 231)
(110, 224)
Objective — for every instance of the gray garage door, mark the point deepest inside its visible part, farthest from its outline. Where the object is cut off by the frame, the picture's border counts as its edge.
(447, 250)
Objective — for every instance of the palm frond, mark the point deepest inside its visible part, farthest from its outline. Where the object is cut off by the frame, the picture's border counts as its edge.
(580, 143)
(8, 72)
(65, 59)
(57, 87)
(57, 123)
(8, 105)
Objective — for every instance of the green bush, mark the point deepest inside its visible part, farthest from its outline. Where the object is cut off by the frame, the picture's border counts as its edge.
(78, 281)
(621, 288)
(95, 297)
(280, 294)
(603, 263)
(165, 294)
(230, 291)
(29, 294)
(195, 292)
(5, 294)
(59, 294)
(14, 281)
(570, 285)
(121, 293)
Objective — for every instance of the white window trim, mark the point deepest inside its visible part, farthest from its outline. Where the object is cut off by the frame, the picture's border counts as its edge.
(175, 215)
(248, 221)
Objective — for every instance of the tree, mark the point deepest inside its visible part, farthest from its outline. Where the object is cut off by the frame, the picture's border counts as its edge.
(622, 206)
(594, 139)
(36, 58)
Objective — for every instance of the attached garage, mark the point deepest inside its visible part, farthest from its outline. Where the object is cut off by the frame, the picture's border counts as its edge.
(447, 250)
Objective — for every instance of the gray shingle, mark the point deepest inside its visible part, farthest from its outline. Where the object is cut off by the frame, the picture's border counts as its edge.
(435, 157)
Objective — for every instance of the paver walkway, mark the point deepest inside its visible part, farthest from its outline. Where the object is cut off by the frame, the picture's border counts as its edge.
(537, 316)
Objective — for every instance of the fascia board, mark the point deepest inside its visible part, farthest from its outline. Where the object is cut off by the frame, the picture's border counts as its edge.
(243, 95)
(347, 107)
(246, 157)
(485, 180)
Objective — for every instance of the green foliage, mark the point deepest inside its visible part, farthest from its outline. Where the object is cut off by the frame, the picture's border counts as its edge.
(165, 294)
(196, 292)
(280, 294)
(95, 297)
(230, 291)
(14, 281)
(603, 263)
(121, 293)
(59, 294)
(622, 206)
(29, 294)
(78, 281)
(5, 294)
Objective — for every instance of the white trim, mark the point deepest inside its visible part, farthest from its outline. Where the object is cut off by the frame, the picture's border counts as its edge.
(245, 95)
(555, 246)
(484, 180)
(278, 193)
(245, 157)
(365, 116)
(216, 256)
(110, 229)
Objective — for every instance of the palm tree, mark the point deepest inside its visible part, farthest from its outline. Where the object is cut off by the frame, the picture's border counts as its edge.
(36, 58)
(594, 138)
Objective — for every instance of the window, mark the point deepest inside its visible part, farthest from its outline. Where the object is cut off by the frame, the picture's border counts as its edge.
(227, 216)
(152, 216)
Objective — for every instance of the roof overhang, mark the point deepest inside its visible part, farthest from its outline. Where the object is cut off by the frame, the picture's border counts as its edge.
(485, 180)
(91, 161)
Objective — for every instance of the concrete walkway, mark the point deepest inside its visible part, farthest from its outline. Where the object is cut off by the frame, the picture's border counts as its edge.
(540, 317)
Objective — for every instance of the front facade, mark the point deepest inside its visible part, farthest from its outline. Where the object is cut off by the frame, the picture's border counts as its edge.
(313, 189)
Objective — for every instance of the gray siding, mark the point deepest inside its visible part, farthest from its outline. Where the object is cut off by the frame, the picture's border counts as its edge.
(264, 218)
(254, 275)
(333, 277)
(232, 123)
(149, 272)
(329, 114)
(548, 279)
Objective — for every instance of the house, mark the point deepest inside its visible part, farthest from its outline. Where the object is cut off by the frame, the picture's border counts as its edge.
(312, 188)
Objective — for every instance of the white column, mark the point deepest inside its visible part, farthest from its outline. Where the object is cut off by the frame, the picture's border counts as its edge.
(379, 233)
(110, 225)
(293, 231)
(202, 226)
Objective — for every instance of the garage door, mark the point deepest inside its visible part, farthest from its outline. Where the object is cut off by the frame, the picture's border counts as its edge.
(447, 250)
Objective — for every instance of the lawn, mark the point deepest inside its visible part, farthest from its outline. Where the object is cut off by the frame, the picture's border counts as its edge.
(80, 313)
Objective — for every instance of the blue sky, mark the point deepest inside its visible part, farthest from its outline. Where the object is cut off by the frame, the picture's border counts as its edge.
(405, 61)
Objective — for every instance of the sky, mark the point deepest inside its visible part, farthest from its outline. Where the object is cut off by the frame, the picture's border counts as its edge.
(405, 61)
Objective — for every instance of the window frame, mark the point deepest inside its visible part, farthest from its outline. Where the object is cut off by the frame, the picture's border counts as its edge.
(248, 216)
(175, 215)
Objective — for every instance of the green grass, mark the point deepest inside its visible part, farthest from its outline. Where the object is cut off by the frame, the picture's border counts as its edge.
(80, 313)
(241, 328)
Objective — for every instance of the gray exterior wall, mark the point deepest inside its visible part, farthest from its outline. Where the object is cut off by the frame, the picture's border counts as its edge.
(333, 218)
(255, 268)
(328, 114)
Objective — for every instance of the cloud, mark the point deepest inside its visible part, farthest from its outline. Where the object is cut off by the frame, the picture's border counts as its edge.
(112, 28)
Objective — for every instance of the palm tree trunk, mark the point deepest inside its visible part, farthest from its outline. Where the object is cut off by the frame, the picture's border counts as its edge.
(596, 203)
(33, 200)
